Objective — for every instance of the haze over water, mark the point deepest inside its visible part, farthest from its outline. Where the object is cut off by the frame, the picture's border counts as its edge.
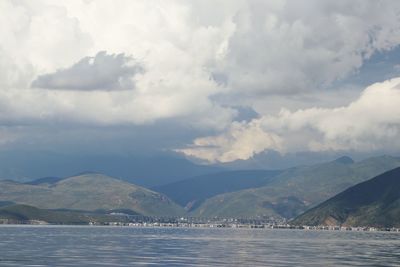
(123, 246)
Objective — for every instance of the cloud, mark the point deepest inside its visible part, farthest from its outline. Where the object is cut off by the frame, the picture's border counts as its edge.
(107, 108)
(204, 61)
(288, 47)
(241, 141)
(49, 54)
(37, 38)
(245, 113)
(101, 72)
(370, 123)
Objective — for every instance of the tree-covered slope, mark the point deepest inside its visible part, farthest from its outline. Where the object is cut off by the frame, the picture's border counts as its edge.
(375, 202)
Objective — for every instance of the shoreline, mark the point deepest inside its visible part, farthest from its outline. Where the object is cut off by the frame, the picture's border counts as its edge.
(210, 226)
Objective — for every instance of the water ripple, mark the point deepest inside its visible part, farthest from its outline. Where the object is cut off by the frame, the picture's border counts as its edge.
(125, 246)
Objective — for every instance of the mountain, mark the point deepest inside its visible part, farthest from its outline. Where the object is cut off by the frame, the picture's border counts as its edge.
(191, 192)
(375, 202)
(270, 159)
(297, 189)
(344, 160)
(89, 192)
(146, 171)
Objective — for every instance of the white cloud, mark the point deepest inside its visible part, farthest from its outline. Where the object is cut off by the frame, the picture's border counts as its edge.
(106, 108)
(370, 123)
(241, 141)
(37, 37)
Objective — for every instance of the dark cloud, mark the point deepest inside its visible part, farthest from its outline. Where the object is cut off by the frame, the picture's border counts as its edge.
(383, 65)
(101, 72)
(220, 78)
(245, 113)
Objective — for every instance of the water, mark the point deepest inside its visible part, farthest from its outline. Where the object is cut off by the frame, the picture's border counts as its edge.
(125, 246)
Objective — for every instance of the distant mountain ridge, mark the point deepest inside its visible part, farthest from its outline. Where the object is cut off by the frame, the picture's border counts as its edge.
(148, 171)
(375, 202)
(191, 192)
(344, 160)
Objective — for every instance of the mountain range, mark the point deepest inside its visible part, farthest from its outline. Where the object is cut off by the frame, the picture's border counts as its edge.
(239, 193)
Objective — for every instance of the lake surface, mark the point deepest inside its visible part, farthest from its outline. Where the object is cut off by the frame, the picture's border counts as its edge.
(126, 246)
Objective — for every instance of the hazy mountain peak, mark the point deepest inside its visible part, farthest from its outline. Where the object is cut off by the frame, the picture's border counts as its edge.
(344, 160)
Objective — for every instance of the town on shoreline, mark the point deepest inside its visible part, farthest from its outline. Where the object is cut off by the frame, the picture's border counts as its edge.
(193, 222)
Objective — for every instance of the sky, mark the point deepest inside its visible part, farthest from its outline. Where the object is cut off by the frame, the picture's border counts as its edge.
(215, 81)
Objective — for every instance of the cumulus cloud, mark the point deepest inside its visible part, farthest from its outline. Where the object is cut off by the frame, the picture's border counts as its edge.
(241, 141)
(370, 123)
(101, 72)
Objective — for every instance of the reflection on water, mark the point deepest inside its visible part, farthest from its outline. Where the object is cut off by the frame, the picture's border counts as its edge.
(125, 246)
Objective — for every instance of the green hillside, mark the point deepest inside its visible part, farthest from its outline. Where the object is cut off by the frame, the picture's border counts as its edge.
(90, 192)
(297, 189)
(23, 213)
(190, 193)
(375, 202)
